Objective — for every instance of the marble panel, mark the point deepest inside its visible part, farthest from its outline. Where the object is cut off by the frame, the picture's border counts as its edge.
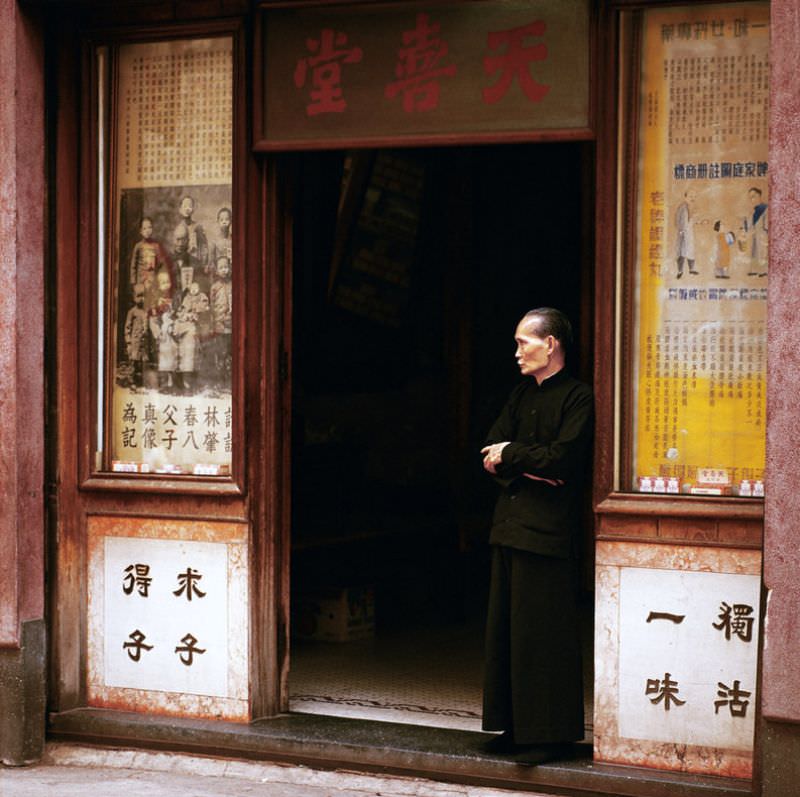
(712, 731)
(168, 617)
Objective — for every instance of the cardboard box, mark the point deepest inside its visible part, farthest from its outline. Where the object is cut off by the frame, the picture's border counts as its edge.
(335, 615)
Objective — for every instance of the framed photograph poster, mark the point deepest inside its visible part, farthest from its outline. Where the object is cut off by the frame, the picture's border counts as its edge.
(172, 266)
(701, 251)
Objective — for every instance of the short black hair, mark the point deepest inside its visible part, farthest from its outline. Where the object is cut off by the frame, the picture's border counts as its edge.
(757, 190)
(549, 321)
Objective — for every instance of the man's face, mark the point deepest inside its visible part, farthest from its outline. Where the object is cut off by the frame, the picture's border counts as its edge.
(187, 207)
(164, 282)
(181, 239)
(224, 220)
(533, 353)
(755, 197)
(147, 228)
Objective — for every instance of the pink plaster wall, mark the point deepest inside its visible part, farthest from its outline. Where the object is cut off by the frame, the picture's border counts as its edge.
(781, 662)
(22, 207)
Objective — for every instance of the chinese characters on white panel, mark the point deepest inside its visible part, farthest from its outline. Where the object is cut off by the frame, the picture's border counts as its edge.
(137, 580)
(735, 622)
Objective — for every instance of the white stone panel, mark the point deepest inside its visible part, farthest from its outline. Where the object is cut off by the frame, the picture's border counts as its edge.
(166, 618)
(696, 655)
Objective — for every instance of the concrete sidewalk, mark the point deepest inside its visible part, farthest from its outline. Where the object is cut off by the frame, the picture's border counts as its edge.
(76, 771)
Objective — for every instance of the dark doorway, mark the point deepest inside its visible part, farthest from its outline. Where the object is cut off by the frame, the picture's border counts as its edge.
(411, 270)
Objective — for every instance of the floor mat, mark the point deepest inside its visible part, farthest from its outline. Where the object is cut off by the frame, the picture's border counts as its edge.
(430, 676)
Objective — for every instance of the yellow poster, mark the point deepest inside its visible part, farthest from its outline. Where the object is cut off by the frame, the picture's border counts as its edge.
(702, 258)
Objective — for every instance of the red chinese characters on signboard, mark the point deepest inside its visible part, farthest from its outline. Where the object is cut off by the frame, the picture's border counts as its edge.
(514, 62)
(328, 54)
(418, 69)
(421, 66)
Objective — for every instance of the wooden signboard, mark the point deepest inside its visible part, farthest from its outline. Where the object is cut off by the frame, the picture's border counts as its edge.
(338, 76)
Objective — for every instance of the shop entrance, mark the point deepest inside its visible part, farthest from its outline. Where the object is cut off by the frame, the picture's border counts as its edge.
(411, 270)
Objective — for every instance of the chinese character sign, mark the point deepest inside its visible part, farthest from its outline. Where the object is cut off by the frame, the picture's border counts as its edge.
(479, 67)
(514, 62)
(702, 256)
(166, 615)
(323, 69)
(166, 433)
(688, 657)
(421, 65)
(173, 259)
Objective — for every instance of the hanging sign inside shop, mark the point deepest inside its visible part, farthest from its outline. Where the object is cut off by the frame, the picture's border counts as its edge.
(354, 75)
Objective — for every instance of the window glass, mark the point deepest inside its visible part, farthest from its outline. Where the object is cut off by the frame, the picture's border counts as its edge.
(172, 266)
(701, 262)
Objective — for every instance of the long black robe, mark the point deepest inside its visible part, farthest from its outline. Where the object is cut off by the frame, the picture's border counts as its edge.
(533, 682)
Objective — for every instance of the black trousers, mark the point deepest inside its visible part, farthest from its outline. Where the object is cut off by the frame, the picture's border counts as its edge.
(533, 682)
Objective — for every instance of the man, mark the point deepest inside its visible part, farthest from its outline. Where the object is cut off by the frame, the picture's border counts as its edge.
(685, 228)
(757, 228)
(538, 450)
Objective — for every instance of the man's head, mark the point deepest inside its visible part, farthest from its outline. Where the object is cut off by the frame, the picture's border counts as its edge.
(543, 336)
(186, 208)
(146, 227)
(754, 194)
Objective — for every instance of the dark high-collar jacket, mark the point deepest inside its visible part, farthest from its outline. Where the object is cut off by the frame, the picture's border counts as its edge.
(549, 427)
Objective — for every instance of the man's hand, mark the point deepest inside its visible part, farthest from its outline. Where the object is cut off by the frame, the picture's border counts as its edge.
(492, 456)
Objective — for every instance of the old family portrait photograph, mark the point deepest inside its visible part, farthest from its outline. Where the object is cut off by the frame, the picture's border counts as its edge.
(174, 290)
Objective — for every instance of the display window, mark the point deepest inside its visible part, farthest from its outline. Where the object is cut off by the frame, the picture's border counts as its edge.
(695, 264)
(167, 262)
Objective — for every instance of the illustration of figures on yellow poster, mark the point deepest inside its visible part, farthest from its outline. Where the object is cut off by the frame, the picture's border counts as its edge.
(702, 258)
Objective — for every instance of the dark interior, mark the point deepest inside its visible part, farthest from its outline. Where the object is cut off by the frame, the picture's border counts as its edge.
(411, 270)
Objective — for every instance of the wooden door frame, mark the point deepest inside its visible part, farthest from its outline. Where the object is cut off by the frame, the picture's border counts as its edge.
(271, 393)
(262, 331)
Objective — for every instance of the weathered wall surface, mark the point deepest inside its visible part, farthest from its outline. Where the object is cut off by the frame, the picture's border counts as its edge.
(780, 736)
(781, 697)
(22, 213)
